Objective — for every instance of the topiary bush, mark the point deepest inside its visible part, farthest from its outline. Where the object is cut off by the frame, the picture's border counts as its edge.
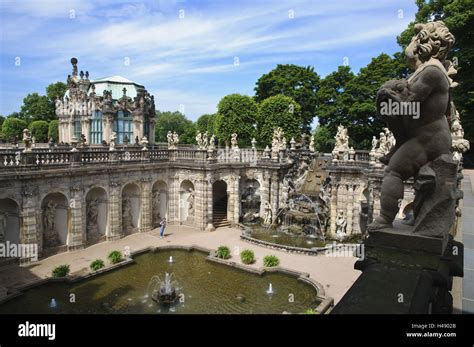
(223, 252)
(12, 127)
(247, 256)
(115, 257)
(97, 264)
(39, 130)
(271, 260)
(61, 271)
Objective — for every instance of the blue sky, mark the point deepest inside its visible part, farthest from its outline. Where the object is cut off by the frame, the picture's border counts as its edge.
(189, 54)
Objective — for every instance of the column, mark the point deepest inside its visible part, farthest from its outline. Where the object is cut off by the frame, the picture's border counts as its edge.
(264, 193)
(86, 128)
(174, 202)
(200, 213)
(107, 126)
(114, 212)
(208, 183)
(145, 213)
(76, 220)
(349, 208)
(333, 208)
(274, 193)
(236, 198)
(28, 223)
(357, 210)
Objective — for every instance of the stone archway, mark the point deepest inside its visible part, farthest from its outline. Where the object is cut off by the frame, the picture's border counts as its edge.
(159, 202)
(54, 223)
(9, 221)
(131, 208)
(96, 215)
(364, 210)
(220, 200)
(187, 204)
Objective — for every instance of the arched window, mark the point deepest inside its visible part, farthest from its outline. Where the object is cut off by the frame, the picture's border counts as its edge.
(96, 128)
(123, 126)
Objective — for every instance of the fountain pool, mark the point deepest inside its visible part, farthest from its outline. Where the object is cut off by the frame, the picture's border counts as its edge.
(206, 287)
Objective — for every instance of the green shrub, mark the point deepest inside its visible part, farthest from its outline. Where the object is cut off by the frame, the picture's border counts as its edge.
(39, 130)
(61, 271)
(115, 257)
(247, 256)
(310, 311)
(53, 131)
(223, 252)
(12, 127)
(97, 264)
(271, 260)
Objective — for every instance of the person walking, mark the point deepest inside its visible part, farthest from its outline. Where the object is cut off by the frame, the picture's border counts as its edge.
(162, 227)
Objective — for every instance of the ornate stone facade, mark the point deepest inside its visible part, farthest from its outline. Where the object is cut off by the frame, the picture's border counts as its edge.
(92, 110)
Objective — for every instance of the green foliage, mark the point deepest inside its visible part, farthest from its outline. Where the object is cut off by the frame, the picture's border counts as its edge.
(278, 111)
(310, 311)
(2, 119)
(115, 257)
(323, 139)
(53, 130)
(174, 121)
(37, 107)
(271, 261)
(12, 127)
(223, 252)
(97, 264)
(61, 271)
(206, 123)
(236, 114)
(56, 91)
(247, 256)
(458, 15)
(298, 82)
(39, 130)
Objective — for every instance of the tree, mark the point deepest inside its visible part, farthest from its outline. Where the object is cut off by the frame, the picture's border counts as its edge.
(458, 15)
(206, 123)
(323, 139)
(39, 130)
(37, 107)
(297, 82)
(2, 119)
(236, 114)
(53, 130)
(174, 121)
(12, 127)
(278, 111)
(56, 91)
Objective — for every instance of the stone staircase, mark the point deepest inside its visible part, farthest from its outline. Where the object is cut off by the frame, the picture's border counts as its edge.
(219, 216)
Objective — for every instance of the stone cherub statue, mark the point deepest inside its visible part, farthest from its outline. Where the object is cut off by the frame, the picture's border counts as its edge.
(51, 238)
(341, 224)
(420, 138)
(27, 140)
(191, 202)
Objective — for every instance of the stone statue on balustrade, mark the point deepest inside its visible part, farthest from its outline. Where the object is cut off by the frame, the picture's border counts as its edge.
(27, 140)
(212, 143)
(173, 140)
(415, 110)
(112, 139)
(50, 235)
(127, 217)
(342, 143)
(311, 144)
(278, 142)
(202, 140)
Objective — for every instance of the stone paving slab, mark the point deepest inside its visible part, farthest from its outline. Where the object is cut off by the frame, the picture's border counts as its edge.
(336, 274)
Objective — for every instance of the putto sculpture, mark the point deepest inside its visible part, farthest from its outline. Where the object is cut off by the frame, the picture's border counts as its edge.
(423, 140)
(278, 142)
(342, 143)
(173, 140)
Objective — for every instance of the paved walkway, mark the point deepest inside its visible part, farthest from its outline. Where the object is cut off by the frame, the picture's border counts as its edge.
(336, 274)
(467, 238)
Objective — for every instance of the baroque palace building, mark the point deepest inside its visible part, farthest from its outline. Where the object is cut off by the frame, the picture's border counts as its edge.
(95, 109)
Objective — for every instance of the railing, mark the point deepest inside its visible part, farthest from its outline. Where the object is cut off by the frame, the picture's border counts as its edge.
(37, 158)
